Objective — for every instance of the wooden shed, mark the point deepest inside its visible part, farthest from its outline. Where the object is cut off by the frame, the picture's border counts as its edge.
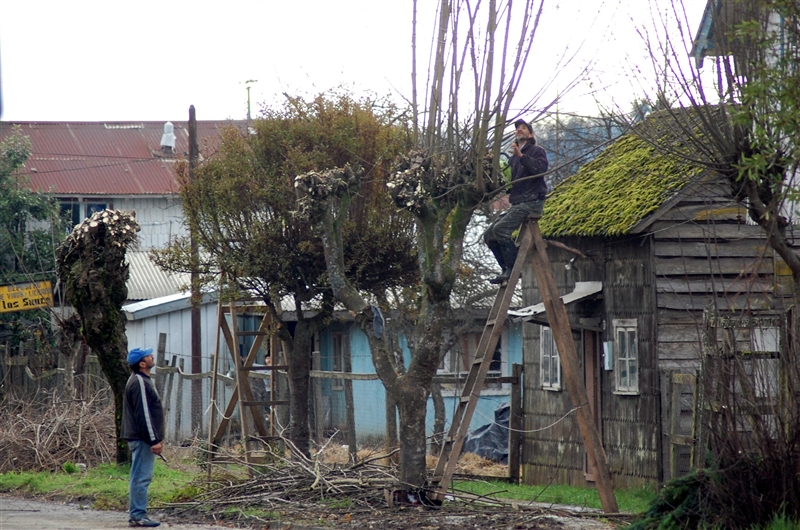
(668, 249)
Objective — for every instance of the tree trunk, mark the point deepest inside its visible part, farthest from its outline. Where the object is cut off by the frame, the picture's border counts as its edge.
(438, 418)
(412, 406)
(299, 362)
(104, 331)
(391, 425)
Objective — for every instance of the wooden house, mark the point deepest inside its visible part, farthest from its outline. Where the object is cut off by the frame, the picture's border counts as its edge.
(668, 249)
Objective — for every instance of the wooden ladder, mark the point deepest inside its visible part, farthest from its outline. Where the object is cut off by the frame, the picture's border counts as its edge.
(242, 395)
(530, 239)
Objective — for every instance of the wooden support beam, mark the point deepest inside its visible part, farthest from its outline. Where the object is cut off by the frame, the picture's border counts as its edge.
(562, 334)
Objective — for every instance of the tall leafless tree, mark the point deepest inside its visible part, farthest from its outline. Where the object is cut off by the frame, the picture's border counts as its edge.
(480, 53)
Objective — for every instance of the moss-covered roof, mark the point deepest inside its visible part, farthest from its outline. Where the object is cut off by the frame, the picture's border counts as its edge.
(628, 181)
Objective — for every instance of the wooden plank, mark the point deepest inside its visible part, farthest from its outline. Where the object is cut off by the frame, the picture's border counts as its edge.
(685, 351)
(515, 424)
(178, 396)
(706, 212)
(168, 391)
(723, 303)
(716, 266)
(715, 285)
(704, 232)
(160, 362)
(747, 248)
(679, 333)
(559, 322)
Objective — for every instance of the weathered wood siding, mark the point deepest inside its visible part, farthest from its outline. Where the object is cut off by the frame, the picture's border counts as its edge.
(629, 424)
(706, 255)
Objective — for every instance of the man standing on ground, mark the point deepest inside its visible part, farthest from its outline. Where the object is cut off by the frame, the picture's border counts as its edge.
(143, 428)
(528, 190)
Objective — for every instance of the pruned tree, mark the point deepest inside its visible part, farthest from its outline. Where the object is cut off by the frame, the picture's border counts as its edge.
(242, 203)
(480, 54)
(91, 266)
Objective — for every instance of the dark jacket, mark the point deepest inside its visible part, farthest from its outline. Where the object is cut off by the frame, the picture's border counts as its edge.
(532, 162)
(142, 413)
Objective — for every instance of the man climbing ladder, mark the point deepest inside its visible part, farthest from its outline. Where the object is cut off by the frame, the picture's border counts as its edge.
(528, 190)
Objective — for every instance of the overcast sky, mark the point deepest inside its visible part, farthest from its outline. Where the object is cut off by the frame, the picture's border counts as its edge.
(117, 60)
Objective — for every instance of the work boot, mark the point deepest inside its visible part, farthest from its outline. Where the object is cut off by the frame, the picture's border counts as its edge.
(144, 521)
(508, 250)
(503, 277)
(497, 250)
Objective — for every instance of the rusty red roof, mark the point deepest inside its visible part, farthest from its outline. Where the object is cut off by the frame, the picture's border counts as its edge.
(108, 158)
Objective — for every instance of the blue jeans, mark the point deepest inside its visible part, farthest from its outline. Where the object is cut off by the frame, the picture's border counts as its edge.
(143, 461)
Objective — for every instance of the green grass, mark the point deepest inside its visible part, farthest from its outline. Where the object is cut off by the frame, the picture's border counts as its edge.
(106, 485)
(629, 500)
(781, 522)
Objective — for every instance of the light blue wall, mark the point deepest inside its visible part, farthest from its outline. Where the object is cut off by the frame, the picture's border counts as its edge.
(370, 396)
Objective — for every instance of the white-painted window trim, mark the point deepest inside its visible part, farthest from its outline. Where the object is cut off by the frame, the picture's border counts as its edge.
(549, 360)
(626, 356)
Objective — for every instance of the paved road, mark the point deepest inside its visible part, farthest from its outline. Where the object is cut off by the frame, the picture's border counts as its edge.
(27, 514)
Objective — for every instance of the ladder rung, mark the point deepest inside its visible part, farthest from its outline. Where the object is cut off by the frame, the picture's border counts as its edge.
(491, 322)
(268, 367)
(465, 399)
(263, 403)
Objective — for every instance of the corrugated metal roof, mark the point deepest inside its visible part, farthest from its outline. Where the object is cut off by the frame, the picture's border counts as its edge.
(108, 158)
(147, 280)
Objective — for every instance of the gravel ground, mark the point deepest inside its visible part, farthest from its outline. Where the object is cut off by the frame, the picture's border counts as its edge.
(17, 513)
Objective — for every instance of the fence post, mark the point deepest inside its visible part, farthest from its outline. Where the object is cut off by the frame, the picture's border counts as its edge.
(179, 401)
(160, 362)
(168, 391)
(515, 423)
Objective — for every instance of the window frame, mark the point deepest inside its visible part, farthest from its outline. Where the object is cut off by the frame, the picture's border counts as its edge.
(548, 350)
(455, 358)
(622, 359)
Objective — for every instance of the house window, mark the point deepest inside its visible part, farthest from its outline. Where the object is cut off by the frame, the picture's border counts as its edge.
(92, 207)
(459, 358)
(550, 361)
(71, 212)
(627, 356)
(765, 370)
(74, 210)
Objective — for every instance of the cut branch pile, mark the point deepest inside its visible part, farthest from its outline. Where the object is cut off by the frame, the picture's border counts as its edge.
(300, 482)
(313, 490)
(45, 436)
(117, 227)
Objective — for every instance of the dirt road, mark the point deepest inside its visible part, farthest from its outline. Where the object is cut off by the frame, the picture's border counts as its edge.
(17, 513)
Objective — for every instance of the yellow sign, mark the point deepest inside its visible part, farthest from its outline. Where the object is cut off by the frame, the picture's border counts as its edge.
(25, 296)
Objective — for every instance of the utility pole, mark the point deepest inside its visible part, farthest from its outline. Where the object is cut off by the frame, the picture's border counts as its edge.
(247, 85)
(197, 360)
